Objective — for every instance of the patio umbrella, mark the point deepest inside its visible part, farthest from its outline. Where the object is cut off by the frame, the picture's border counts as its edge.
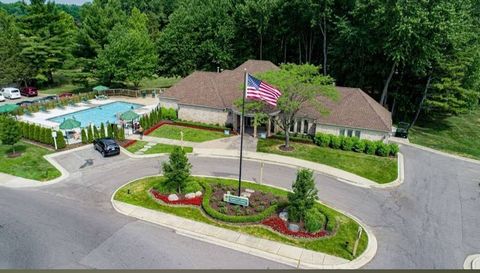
(69, 124)
(100, 88)
(7, 108)
(129, 115)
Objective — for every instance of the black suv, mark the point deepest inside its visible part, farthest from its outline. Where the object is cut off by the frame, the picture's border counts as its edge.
(402, 130)
(106, 146)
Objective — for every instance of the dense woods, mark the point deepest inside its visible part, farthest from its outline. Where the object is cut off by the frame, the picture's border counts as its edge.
(418, 58)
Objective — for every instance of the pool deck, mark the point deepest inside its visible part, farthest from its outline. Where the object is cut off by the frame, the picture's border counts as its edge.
(42, 118)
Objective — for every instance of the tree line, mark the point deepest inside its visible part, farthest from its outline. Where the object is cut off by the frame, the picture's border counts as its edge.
(412, 56)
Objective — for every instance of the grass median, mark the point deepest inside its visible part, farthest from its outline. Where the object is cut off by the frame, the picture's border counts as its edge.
(379, 169)
(30, 164)
(455, 134)
(189, 134)
(339, 244)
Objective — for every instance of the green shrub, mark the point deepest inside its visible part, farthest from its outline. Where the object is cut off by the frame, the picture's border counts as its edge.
(314, 220)
(89, 134)
(335, 142)
(177, 170)
(347, 143)
(84, 137)
(370, 147)
(359, 145)
(322, 140)
(102, 130)
(61, 140)
(394, 149)
(383, 149)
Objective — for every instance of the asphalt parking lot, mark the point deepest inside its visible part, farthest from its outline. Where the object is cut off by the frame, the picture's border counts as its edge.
(15, 101)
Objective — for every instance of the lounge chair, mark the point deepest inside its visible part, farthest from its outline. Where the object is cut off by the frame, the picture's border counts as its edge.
(28, 113)
(43, 109)
(86, 101)
(72, 103)
(101, 97)
(60, 106)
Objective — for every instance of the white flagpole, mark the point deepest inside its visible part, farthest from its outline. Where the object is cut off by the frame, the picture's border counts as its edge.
(242, 129)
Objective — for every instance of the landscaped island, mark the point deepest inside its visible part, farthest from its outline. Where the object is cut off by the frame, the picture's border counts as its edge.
(294, 218)
(337, 229)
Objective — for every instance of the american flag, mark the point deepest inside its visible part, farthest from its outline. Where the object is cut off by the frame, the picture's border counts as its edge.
(259, 90)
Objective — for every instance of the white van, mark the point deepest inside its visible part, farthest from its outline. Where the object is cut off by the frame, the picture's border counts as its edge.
(2, 98)
(11, 93)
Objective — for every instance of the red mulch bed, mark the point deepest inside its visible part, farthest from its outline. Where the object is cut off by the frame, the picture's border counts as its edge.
(277, 224)
(127, 142)
(197, 201)
(156, 126)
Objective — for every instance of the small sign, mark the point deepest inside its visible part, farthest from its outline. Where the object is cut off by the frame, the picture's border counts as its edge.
(54, 134)
(237, 200)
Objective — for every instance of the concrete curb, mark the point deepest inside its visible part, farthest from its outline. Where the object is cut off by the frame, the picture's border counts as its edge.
(472, 262)
(129, 154)
(286, 254)
(338, 174)
(474, 161)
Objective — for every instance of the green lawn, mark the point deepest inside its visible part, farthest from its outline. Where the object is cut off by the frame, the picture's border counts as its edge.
(30, 164)
(157, 149)
(158, 82)
(64, 88)
(334, 245)
(456, 134)
(189, 134)
(379, 169)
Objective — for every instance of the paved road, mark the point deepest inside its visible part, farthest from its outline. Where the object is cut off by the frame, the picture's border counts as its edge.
(429, 222)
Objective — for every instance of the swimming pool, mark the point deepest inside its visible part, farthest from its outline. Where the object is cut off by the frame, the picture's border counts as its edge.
(98, 114)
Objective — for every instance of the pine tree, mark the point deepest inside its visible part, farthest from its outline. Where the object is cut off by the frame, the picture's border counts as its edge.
(84, 137)
(61, 140)
(49, 136)
(121, 134)
(303, 196)
(89, 134)
(96, 135)
(102, 130)
(31, 131)
(115, 131)
(110, 130)
(177, 170)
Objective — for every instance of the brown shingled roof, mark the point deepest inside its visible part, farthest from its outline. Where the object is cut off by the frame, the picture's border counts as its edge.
(219, 90)
(216, 90)
(354, 108)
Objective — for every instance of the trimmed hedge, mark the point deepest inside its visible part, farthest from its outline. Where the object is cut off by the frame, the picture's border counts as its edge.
(356, 145)
(44, 106)
(230, 218)
(314, 220)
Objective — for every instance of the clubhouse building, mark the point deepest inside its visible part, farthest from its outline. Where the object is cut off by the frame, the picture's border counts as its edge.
(209, 97)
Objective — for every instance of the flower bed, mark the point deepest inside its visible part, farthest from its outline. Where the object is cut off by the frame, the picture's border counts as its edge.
(197, 201)
(277, 224)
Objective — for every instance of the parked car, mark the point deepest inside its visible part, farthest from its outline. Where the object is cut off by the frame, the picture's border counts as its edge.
(29, 91)
(46, 99)
(66, 95)
(106, 146)
(402, 129)
(2, 98)
(25, 103)
(11, 93)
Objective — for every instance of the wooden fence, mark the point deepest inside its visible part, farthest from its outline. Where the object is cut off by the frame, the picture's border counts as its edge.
(132, 93)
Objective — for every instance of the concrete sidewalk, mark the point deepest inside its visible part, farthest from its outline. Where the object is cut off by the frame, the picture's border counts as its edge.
(282, 253)
(341, 175)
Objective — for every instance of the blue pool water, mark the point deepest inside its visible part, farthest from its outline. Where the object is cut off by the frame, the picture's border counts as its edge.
(98, 114)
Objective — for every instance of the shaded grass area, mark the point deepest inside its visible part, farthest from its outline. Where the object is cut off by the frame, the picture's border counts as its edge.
(30, 164)
(379, 169)
(159, 82)
(189, 134)
(156, 149)
(455, 134)
(334, 245)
